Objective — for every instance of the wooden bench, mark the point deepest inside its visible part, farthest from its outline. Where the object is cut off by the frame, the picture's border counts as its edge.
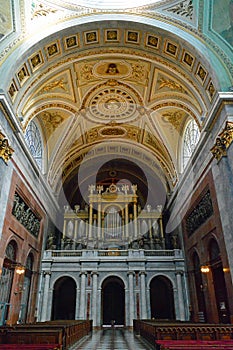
(194, 344)
(30, 347)
(154, 331)
(62, 333)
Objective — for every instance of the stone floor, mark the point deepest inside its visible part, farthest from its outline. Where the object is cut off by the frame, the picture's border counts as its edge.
(112, 339)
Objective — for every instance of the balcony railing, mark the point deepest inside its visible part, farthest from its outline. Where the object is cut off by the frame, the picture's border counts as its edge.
(92, 254)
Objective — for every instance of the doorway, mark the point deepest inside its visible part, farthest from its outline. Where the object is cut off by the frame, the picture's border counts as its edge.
(113, 301)
(161, 298)
(64, 299)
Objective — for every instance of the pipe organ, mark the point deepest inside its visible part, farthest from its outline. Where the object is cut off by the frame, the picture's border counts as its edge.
(113, 219)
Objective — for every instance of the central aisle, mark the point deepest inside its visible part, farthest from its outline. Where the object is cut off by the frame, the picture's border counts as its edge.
(112, 339)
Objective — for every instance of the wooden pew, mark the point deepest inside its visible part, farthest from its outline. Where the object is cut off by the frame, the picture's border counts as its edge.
(60, 333)
(29, 347)
(194, 344)
(154, 331)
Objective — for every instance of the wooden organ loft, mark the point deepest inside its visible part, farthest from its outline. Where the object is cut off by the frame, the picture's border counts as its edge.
(113, 219)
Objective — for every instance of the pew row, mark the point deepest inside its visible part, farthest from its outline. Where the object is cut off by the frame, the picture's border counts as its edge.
(59, 334)
(156, 331)
(194, 344)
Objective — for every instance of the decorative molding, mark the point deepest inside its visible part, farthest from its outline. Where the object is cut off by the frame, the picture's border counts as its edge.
(5, 150)
(223, 142)
(41, 10)
(184, 8)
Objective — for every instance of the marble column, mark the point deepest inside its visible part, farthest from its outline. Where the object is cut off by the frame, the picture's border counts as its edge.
(131, 297)
(82, 306)
(47, 276)
(90, 220)
(99, 221)
(77, 305)
(64, 229)
(94, 297)
(135, 218)
(126, 221)
(180, 295)
(143, 295)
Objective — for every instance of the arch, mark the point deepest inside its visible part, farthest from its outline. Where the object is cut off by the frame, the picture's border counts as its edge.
(64, 299)
(7, 276)
(219, 282)
(202, 315)
(156, 24)
(26, 287)
(113, 301)
(161, 298)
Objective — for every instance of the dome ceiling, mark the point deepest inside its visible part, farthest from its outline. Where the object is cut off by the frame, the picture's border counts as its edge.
(112, 87)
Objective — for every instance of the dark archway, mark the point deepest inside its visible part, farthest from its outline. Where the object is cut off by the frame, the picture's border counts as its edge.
(7, 277)
(64, 299)
(161, 298)
(113, 301)
(202, 315)
(219, 282)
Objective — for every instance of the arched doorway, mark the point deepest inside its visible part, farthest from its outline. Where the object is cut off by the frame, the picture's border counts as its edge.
(26, 290)
(113, 301)
(64, 299)
(6, 281)
(202, 316)
(219, 282)
(161, 298)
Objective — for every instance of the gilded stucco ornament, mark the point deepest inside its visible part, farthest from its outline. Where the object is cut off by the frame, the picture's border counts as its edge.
(223, 142)
(5, 150)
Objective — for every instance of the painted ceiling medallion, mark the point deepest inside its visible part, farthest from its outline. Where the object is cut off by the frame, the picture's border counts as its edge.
(112, 103)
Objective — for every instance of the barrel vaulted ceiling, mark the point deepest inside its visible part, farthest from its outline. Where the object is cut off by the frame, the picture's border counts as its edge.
(95, 78)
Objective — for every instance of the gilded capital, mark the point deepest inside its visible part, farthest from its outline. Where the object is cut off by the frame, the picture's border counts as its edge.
(5, 150)
(223, 141)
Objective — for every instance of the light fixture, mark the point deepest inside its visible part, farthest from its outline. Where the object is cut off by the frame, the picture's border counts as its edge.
(205, 269)
(226, 269)
(19, 269)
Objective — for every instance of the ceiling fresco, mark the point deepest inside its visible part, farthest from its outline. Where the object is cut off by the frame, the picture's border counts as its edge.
(112, 86)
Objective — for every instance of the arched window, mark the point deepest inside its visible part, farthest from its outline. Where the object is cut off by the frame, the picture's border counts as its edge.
(190, 140)
(34, 141)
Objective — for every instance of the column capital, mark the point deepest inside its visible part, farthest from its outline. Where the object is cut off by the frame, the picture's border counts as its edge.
(142, 273)
(47, 273)
(179, 272)
(83, 273)
(129, 273)
(96, 273)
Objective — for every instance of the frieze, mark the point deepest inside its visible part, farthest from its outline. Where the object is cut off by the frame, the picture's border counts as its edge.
(5, 150)
(201, 212)
(223, 142)
(25, 216)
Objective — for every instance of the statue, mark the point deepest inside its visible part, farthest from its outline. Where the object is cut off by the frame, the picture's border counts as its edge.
(134, 188)
(91, 188)
(76, 208)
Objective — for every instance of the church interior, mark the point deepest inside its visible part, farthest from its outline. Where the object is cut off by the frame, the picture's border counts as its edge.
(116, 164)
